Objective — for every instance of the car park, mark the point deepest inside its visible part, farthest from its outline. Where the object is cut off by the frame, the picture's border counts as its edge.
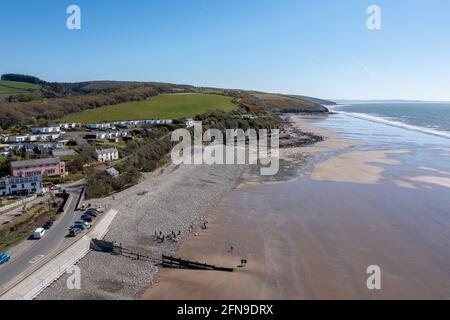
(4, 257)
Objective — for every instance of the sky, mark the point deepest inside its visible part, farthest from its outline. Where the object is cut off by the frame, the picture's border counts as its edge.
(320, 48)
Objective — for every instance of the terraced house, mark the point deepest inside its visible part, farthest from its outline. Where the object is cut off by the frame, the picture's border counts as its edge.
(106, 155)
(43, 167)
(20, 186)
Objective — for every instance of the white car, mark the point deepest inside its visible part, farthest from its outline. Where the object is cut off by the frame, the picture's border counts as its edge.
(39, 233)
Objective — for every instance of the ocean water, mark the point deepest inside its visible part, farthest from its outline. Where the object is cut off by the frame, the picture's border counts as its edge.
(431, 118)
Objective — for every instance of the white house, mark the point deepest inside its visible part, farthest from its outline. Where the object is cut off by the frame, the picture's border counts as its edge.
(105, 155)
(20, 186)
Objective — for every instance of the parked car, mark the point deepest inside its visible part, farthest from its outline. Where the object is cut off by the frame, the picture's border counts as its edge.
(75, 231)
(4, 257)
(82, 223)
(79, 226)
(87, 218)
(48, 224)
(39, 233)
(91, 213)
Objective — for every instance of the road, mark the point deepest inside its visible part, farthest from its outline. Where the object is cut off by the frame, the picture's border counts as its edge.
(54, 239)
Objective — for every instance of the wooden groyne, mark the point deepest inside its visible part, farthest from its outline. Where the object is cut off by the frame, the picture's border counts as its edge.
(172, 262)
(165, 261)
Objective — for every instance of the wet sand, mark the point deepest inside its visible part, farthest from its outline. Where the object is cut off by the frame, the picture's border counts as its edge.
(314, 237)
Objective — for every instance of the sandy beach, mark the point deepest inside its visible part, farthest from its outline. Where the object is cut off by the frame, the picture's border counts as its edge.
(313, 237)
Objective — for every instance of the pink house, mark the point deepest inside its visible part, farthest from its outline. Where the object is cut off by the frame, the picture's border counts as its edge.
(42, 167)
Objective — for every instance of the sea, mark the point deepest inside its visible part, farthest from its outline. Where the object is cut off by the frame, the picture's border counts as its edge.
(427, 117)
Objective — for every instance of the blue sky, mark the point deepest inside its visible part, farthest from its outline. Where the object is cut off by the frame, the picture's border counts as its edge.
(319, 48)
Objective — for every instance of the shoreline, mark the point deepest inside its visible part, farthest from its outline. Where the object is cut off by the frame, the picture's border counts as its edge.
(168, 282)
(317, 243)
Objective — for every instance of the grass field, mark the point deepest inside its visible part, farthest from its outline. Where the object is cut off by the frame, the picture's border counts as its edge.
(12, 87)
(168, 106)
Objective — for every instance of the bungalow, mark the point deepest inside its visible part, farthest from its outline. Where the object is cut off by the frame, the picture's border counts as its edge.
(51, 136)
(99, 126)
(71, 125)
(22, 138)
(51, 129)
(35, 137)
(39, 145)
(106, 135)
(107, 155)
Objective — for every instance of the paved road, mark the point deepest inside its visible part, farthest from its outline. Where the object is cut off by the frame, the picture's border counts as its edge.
(52, 240)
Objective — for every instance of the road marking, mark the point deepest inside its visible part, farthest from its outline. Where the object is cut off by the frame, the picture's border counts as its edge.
(36, 259)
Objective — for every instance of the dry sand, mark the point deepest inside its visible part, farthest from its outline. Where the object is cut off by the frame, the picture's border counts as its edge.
(355, 167)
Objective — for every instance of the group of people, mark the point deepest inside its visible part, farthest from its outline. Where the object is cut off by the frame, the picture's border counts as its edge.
(171, 236)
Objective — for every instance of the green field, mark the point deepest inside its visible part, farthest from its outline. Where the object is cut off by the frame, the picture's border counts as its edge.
(12, 87)
(167, 106)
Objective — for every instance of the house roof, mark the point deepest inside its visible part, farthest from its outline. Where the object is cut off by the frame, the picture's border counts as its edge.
(112, 172)
(37, 162)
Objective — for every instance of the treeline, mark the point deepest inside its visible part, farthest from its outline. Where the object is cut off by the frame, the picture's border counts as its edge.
(21, 78)
(281, 103)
